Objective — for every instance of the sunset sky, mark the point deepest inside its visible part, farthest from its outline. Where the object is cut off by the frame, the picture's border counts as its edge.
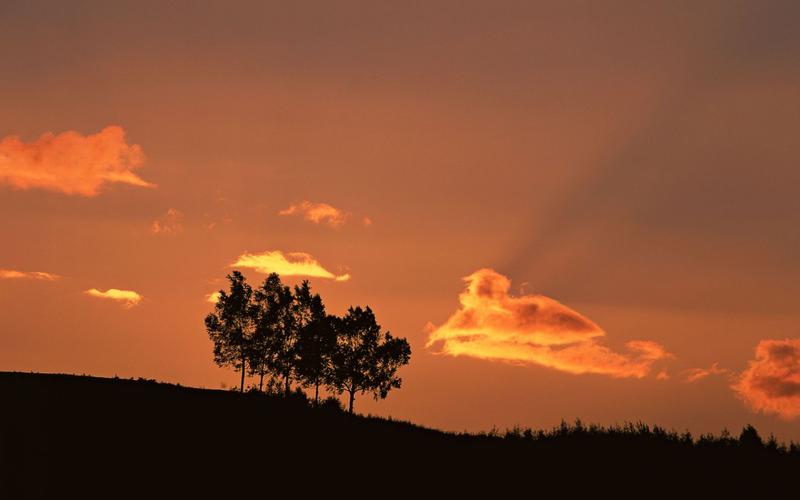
(569, 209)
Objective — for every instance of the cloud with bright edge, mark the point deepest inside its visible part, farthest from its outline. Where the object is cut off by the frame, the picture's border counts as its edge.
(771, 382)
(127, 298)
(213, 297)
(169, 223)
(491, 324)
(289, 264)
(71, 163)
(695, 374)
(317, 213)
(321, 213)
(11, 274)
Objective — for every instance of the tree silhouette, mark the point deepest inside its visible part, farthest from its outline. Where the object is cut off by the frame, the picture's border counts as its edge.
(266, 316)
(287, 335)
(275, 330)
(316, 340)
(366, 359)
(230, 326)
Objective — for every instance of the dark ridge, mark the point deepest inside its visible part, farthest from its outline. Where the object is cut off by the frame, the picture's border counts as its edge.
(67, 436)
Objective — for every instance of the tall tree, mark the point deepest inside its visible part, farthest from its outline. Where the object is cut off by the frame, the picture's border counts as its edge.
(316, 340)
(277, 329)
(268, 311)
(230, 326)
(366, 359)
(273, 349)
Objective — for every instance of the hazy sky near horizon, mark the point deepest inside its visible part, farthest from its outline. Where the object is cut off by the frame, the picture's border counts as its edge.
(617, 180)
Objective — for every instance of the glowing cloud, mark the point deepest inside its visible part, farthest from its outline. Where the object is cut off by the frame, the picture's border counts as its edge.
(318, 213)
(11, 274)
(771, 382)
(213, 297)
(169, 223)
(128, 298)
(290, 264)
(695, 374)
(493, 325)
(71, 163)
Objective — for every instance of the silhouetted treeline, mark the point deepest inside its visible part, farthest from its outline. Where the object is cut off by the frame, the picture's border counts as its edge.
(286, 336)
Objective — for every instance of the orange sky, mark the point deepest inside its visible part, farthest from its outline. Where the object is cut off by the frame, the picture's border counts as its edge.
(625, 175)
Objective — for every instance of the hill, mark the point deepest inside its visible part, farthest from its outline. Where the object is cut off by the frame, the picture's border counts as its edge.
(76, 436)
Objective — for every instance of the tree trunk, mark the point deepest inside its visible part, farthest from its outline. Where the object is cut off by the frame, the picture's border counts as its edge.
(352, 399)
(287, 381)
(244, 366)
(316, 392)
(261, 382)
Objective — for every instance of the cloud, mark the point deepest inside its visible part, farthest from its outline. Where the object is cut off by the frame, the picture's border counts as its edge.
(771, 382)
(289, 264)
(10, 274)
(322, 213)
(493, 325)
(128, 298)
(169, 223)
(318, 213)
(213, 297)
(71, 163)
(695, 374)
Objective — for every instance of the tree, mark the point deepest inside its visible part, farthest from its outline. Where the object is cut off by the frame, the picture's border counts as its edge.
(366, 359)
(316, 340)
(273, 349)
(230, 326)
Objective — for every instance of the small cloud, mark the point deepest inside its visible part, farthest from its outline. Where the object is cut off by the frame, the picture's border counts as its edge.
(128, 298)
(771, 382)
(662, 375)
(494, 325)
(71, 163)
(10, 274)
(322, 213)
(213, 297)
(317, 213)
(695, 374)
(289, 264)
(169, 223)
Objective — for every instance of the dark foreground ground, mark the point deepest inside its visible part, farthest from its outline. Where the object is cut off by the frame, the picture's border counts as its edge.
(64, 436)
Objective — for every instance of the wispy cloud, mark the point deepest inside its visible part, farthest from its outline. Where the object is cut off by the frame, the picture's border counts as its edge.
(317, 213)
(493, 325)
(289, 264)
(321, 213)
(695, 374)
(128, 298)
(169, 223)
(71, 163)
(771, 382)
(10, 274)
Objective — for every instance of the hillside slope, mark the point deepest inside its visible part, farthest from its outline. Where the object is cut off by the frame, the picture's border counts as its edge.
(63, 435)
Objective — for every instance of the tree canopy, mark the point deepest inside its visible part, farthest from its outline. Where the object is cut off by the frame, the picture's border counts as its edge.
(286, 335)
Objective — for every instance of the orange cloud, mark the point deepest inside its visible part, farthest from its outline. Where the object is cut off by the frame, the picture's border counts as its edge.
(213, 297)
(493, 325)
(771, 382)
(169, 223)
(318, 213)
(10, 274)
(289, 264)
(695, 374)
(128, 298)
(71, 163)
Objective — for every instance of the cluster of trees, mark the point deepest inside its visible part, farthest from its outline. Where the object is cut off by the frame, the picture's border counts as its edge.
(285, 334)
